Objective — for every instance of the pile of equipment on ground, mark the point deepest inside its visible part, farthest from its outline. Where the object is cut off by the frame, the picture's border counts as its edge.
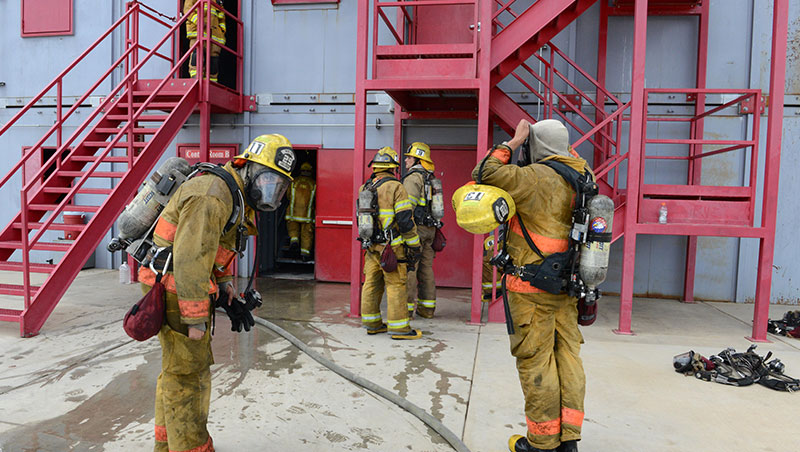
(737, 369)
(788, 326)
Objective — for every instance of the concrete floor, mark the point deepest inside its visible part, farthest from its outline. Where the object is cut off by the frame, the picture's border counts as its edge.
(82, 384)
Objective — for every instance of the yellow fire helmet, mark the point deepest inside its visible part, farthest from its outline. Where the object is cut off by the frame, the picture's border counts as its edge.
(421, 151)
(273, 151)
(386, 158)
(480, 209)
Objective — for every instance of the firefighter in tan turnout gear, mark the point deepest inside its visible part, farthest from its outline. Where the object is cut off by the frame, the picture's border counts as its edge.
(300, 213)
(421, 285)
(203, 227)
(218, 29)
(389, 236)
(546, 341)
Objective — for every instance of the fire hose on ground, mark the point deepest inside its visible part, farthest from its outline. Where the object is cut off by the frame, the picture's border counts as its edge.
(416, 411)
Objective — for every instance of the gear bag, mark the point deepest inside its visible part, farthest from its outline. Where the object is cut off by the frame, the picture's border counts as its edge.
(145, 318)
(388, 259)
(370, 231)
(439, 240)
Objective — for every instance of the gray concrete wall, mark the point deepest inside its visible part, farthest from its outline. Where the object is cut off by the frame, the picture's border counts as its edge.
(299, 57)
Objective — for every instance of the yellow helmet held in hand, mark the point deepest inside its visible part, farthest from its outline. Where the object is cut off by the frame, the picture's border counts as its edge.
(480, 209)
(273, 151)
(386, 158)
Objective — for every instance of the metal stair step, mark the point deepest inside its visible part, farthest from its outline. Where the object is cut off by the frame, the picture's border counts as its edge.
(114, 131)
(121, 144)
(143, 118)
(53, 226)
(69, 208)
(35, 268)
(93, 158)
(82, 191)
(10, 315)
(113, 174)
(41, 246)
(152, 105)
(16, 289)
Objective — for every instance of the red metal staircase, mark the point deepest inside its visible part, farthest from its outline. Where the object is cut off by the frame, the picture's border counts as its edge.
(98, 168)
(514, 54)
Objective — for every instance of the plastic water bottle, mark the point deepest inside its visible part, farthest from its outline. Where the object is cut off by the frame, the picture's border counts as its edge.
(662, 213)
(124, 273)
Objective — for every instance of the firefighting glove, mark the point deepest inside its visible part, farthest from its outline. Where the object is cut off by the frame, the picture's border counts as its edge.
(240, 317)
(413, 254)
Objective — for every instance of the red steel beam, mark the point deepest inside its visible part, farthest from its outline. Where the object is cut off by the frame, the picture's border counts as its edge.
(635, 164)
(777, 79)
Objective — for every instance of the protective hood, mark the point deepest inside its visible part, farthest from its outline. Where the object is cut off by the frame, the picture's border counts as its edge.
(546, 138)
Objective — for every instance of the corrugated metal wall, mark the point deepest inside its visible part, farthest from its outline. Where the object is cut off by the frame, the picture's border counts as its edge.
(300, 62)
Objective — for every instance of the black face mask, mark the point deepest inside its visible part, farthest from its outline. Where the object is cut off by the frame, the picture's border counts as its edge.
(524, 157)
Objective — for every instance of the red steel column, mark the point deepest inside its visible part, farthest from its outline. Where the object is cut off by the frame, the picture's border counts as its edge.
(635, 152)
(695, 166)
(358, 152)
(766, 252)
(602, 50)
(484, 142)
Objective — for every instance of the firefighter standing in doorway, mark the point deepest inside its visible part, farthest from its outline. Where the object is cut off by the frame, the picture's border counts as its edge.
(201, 236)
(300, 213)
(218, 29)
(421, 286)
(546, 341)
(395, 229)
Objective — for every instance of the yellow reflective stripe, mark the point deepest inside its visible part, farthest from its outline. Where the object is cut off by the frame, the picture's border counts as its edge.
(291, 199)
(294, 239)
(486, 285)
(396, 241)
(402, 205)
(191, 34)
(397, 324)
(369, 318)
(192, 72)
(311, 201)
(410, 306)
(219, 40)
(413, 241)
(193, 18)
(305, 251)
(427, 303)
(298, 219)
(414, 200)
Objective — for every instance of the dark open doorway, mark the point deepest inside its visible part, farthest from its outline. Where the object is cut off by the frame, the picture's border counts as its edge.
(276, 256)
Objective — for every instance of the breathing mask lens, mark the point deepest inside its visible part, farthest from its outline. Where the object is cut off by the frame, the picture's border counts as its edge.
(266, 190)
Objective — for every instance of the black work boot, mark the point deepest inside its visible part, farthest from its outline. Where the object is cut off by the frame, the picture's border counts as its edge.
(568, 446)
(519, 443)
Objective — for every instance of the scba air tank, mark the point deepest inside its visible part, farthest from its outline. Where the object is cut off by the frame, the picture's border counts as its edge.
(593, 265)
(366, 210)
(437, 199)
(154, 195)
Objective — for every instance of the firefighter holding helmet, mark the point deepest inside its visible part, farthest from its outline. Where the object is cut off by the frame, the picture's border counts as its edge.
(546, 340)
(198, 235)
(300, 213)
(218, 29)
(389, 237)
(418, 182)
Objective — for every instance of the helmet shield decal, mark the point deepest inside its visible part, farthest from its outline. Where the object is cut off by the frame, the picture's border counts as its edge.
(285, 159)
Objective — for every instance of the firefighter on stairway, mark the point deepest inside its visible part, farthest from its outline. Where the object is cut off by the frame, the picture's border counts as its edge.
(300, 213)
(200, 230)
(218, 29)
(546, 341)
(421, 286)
(388, 234)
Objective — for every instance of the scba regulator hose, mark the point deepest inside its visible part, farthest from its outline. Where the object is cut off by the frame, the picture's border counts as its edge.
(418, 412)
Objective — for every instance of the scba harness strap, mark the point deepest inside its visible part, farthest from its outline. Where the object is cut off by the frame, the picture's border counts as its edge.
(423, 214)
(380, 235)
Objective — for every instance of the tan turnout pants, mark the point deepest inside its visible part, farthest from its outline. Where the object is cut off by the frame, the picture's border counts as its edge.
(547, 345)
(372, 292)
(421, 286)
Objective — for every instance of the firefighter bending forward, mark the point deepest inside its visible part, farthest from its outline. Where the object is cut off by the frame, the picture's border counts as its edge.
(217, 26)
(300, 214)
(546, 342)
(396, 219)
(193, 227)
(421, 286)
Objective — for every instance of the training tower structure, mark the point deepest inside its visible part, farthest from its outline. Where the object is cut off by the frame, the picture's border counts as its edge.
(451, 59)
(120, 142)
